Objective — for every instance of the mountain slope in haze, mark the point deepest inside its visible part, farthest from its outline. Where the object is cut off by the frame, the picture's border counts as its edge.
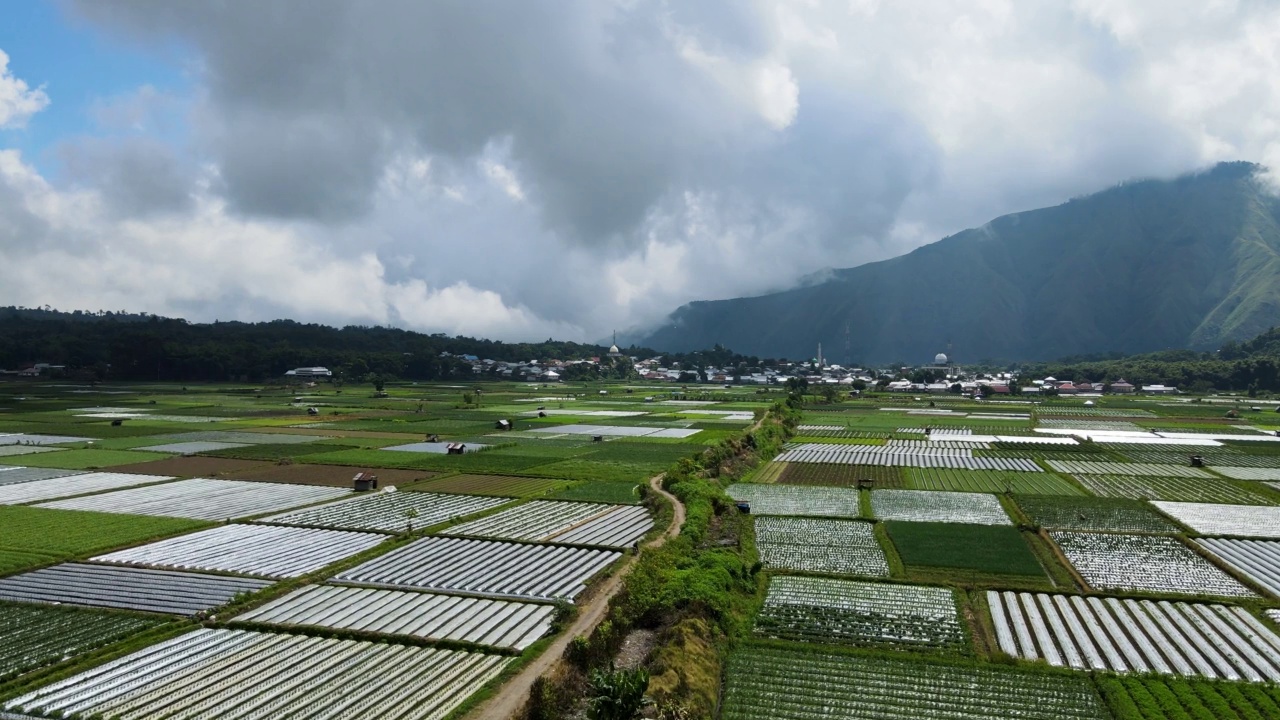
(1149, 265)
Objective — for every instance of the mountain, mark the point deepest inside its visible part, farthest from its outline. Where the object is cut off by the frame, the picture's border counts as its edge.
(1148, 265)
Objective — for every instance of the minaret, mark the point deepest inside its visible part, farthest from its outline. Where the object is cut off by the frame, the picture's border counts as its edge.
(820, 363)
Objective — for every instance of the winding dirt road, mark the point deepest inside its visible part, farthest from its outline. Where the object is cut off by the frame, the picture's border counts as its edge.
(511, 697)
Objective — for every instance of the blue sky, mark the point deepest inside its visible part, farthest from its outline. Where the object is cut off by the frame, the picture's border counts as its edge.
(78, 66)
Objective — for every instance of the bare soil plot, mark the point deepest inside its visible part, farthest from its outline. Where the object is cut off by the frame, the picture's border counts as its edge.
(196, 466)
(328, 475)
(841, 475)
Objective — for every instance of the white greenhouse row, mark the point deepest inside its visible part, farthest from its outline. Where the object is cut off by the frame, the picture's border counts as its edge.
(1127, 468)
(868, 455)
(1258, 560)
(561, 521)
(485, 567)
(235, 673)
(1249, 473)
(389, 511)
(261, 550)
(1142, 636)
(797, 499)
(497, 623)
(126, 588)
(204, 499)
(72, 484)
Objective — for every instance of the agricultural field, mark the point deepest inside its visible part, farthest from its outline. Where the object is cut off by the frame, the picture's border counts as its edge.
(989, 481)
(1094, 513)
(494, 623)
(203, 499)
(1257, 560)
(214, 673)
(984, 549)
(484, 568)
(844, 547)
(960, 458)
(79, 484)
(929, 506)
(853, 612)
(768, 683)
(840, 475)
(266, 551)
(797, 500)
(1155, 697)
(32, 637)
(1144, 563)
(127, 588)
(1211, 519)
(499, 485)
(36, 536)
(1074, 467)
(565, 522)
(1266, 474)
(1172, 489)
(388, 511)
(1136, 636)
(10, 474)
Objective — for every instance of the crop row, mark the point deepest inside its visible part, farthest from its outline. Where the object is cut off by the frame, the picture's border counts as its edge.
(1188, 639)
(497, 623)
(260, 550)
(11, 474)
(1138, 487)
(1145, 563)
(860, 613)
(126, 588)
(31, 637)
(389, 511)
(570, 522)
(797, 499)
(908, 457)
(936, 506)
(220, 673)
(1258, 560)
(1119, 468)
(840, 475)
(1094, 513)
(846, 547)
(67, 485)
(990, 481)
(486, 568)
(1214, 519)
(1265, 474)
(204, 499)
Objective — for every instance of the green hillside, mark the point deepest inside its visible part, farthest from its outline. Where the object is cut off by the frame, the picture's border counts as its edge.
(1151, 265)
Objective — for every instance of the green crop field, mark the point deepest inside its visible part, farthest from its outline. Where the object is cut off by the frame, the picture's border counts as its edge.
(468, 484)
(32, 637)
(1095, 513)
(990, 481)
(89, 459)
(41, 535)
(618, 493)
(994, 549)
(1168, 698)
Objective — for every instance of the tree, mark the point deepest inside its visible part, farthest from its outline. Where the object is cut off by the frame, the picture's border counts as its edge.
(830, 393)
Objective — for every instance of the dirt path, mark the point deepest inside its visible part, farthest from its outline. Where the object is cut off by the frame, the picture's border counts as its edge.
(512, 696)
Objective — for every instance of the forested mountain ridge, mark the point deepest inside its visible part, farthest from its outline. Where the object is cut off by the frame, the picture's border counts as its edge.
(1150, 265)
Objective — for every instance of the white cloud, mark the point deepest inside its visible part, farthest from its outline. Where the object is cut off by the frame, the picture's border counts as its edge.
(18, 101)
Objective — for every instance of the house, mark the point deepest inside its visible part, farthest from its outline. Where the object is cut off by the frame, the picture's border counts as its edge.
(1121, 386)
(1160, 389)
(309, 372)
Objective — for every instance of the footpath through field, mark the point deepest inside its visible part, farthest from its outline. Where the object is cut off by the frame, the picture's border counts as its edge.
(511, 696)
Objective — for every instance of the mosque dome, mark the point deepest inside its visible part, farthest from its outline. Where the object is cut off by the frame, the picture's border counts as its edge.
(940, 359)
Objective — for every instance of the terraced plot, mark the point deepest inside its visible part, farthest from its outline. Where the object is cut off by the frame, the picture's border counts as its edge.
(221, 673)
(1174, 489)
(846, 547)
(1118, 468)
(496, 623)
(860, 613)
(797, 500)
(204, 499)
(259, 550)
(1145, 563)
(66, 485)
(104, 586)
(989, 481)
(1104, 514)
(935, 506)
(561, 521)
(766, 683)
(33, 637)
(485, 568)
(1141, 636)
(1257, 560)
(389, 511)
(1211, 519)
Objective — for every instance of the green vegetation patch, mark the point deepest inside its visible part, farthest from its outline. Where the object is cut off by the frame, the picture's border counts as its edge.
(507, 486)
(58, 534)
(995, 549)
(275, 452)
(617, 493)
(582, 469)
(35, 636)
(657, 455)
(89, 459)
(1095, 513)
(1170, 698)
(989, 481)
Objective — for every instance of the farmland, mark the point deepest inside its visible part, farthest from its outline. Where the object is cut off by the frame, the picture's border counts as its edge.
(34, 636)
(991, 568)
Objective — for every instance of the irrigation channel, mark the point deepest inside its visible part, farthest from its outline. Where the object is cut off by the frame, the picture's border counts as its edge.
(512, 695)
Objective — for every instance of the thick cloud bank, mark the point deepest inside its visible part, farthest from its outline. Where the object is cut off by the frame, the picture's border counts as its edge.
(497, 169)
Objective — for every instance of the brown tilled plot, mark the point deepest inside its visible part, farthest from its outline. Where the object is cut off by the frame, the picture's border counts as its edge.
(840, 475)
(328, 475)
(194, 466)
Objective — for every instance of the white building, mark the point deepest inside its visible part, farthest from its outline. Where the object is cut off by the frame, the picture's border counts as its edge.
(310, 372)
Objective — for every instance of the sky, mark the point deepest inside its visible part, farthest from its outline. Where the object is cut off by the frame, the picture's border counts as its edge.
(510, 170)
